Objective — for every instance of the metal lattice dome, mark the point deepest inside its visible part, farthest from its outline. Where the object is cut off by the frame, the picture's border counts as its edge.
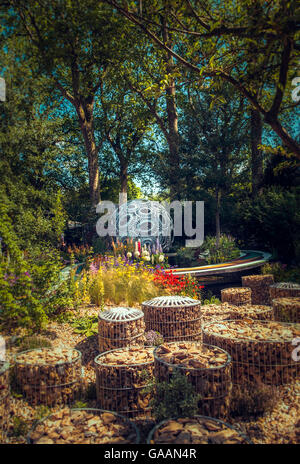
(171, 301)
(145, 220)
(121, 314)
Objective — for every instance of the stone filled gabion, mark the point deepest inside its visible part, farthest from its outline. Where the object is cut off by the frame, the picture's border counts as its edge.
(208, 369)
(49, 376)
(225, 311)
(261, 351)
(259, 285)
(237, 296)
(4, 399)
(174, 317)
(284, 290)
(121, 378)
(286, 309)
(196, 430)
(120, 327)
(84, 426)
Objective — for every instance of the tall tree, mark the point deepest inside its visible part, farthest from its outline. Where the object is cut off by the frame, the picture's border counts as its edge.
(212, 40)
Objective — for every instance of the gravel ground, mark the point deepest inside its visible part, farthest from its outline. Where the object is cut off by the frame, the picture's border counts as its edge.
(282, 426)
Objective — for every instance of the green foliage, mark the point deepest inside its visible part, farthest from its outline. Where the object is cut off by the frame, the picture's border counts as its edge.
(87, 325)
(212, 300)
(281, 273)
(80, 405)
(252, 400)
(41, 412)
(175, 398)
(213, 254)
(20, 427)
(33, 342)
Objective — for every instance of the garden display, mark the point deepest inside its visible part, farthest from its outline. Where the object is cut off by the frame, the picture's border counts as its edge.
(237, 296)
(196, 430)
(119, 327)
(261, 351)
(286, 309)
(259, 285)
(4, 399)
(49, 376)
(284, 290)
(208, 368)
(84, 426)
(174, 317)
(121, 377)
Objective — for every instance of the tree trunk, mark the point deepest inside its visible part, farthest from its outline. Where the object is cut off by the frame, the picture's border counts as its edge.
(85, 114)
(256, 153)
(218, 226)
(173, 135)
(124, 179)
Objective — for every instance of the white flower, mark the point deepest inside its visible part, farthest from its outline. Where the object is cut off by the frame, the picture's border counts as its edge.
(147, 258)
(129, 254)
(145, 253)
(136, 254)
(161, 258)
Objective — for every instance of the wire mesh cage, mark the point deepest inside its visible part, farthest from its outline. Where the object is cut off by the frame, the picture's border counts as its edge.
(225, 311)
(49, 376)
(287, 309)
(120, 327)
(284, 290)
(122, 376)
(174, 317)
(237, 296)
(4, 400)
(261, 351)
(207, 368)
(259, 285)
(84, 426)
(196, 430)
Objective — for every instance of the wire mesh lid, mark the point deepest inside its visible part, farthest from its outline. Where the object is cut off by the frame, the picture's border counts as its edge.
(287, 285)
(120, 314)
(171, 301)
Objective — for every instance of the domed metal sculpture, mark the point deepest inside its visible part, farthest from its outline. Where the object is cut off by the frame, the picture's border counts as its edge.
(145, 220)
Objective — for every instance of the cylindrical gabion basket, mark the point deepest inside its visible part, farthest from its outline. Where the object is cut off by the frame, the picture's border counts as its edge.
(120, 327)
(49, 376)
(287, 309)
(4, 400)
(259, 285)
(121, 378)
(237, 296)
(261, 351)
(284, 290)
(225, 311)
(208, 369)
(196, 430)
(257, 312)
(174, 317)
(84, 426)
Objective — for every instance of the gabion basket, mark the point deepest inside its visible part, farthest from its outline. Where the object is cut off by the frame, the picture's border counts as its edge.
(267, 359)
(121, 382)
(174, 317)
(212, 383)
(49, 376)
(237, 296)
(287, 309)
(196, 430)
(84, 426)
(120, 327)
(4, 400)
(284, 290)
(225, 311)
(259, 285)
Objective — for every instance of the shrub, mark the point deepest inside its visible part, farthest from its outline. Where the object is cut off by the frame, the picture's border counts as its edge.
(281, 273)
(252, 400)
(175, 398)
(213, 254)
(87, 325)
